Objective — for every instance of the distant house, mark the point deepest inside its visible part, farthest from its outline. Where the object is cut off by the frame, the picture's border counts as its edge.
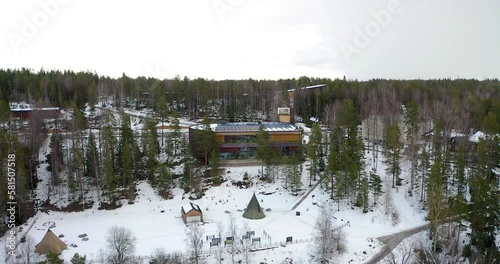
(25, 112)
(457, 141)
(192, 215)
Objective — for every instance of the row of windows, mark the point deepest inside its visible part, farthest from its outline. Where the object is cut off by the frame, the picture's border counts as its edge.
(240, 139)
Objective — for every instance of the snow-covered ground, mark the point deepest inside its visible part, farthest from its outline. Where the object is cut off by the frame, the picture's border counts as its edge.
(157, 224)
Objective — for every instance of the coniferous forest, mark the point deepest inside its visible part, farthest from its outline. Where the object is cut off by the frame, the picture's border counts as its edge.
(103, 158)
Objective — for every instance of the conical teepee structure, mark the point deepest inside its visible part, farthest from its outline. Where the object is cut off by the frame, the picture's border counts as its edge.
(254, 211)
(50, 243)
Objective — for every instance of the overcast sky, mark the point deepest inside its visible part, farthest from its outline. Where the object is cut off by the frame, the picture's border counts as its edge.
(261, 39)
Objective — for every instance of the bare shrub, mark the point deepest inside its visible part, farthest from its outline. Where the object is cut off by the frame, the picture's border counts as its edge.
(160, 256)
(327, 239)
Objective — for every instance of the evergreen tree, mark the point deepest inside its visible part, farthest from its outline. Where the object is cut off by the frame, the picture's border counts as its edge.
(92, 158)
(437, 203)
(294, 172)
(332, 168)
(176, 134)
(393, 153)
(484, 216)
(411, 123)
(56, 157)
(264, 149)
(78, 259)
(214, 163)
(53, 258)
(460, 171)
(151, 148)
(162, 109)
(424, 165)
(164, 179)
(363, 200)
(375, 184)
(206, 141)
(92, 96)
(313, 151)
(108, 141)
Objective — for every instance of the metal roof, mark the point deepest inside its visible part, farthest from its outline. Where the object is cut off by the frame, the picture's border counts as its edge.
(251, 127)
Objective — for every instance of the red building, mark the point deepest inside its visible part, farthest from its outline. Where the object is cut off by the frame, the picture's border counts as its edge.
(43, 113)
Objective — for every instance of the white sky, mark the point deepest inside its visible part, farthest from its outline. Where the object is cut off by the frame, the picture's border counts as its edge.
(260, 39)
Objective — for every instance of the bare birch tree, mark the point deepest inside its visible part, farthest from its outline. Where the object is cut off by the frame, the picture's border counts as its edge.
(194, 241)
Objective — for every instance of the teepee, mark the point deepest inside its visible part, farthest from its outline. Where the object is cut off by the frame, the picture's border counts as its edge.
(50, 243)
(254, 211)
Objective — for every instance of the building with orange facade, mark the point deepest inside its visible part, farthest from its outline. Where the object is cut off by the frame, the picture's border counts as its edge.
(239, 140)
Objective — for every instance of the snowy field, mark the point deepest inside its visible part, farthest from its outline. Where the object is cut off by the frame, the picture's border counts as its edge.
(157, 224)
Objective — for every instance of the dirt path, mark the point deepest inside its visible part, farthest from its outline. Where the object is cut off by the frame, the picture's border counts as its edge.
(392, 241)
(305, 196)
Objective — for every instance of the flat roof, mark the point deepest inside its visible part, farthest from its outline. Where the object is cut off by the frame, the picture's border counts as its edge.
(251, 127)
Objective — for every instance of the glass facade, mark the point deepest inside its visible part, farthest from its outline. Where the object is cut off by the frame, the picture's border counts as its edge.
(240, 139)
(238, 153)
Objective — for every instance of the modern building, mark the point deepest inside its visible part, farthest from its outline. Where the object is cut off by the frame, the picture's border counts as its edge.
(193, 215)
(239, 140)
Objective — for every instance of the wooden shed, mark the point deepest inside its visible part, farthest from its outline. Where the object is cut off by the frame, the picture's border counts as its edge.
(191, 213)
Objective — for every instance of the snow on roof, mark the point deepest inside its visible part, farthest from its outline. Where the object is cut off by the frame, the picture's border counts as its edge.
(454, 133)
(309, 87)
(477, 136)
(250, 127)
(191, 206)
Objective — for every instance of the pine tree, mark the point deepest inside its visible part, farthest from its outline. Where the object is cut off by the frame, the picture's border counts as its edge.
(56, 157)
(92, 96)
(78, 259)
(214, 164)
(437, 203)
(364, 190)
(424, 165)
(263, 150)
(411, 123)
(375, 184)
(332, 168)
(164, 179)
(484, 215)
(151, 148)
(162, 109)
(92, 158)
(460, 171)
(206, 141)
(53, 258)
(108, 141)
(176, 135)
(313, 151)
(393, 153)
(295, 172)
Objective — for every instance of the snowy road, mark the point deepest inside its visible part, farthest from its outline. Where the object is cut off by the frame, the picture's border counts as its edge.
(392, 241)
